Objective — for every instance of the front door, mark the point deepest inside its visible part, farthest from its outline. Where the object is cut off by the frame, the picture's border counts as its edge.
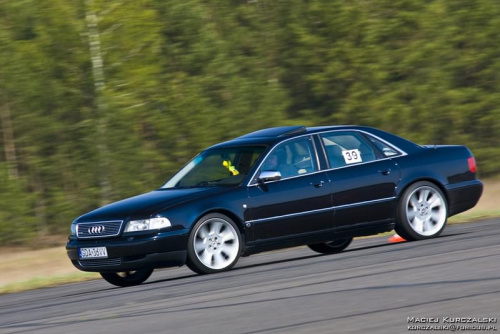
(299, 204)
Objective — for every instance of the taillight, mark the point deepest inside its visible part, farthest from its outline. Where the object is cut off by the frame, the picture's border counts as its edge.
(472, 164)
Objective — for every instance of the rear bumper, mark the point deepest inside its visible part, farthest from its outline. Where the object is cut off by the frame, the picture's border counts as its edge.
(159, 250)
(463, 196)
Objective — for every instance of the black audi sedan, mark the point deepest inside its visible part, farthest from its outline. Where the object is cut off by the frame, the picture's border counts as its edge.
(278, 188)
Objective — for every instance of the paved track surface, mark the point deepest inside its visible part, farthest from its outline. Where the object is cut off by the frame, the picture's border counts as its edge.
(372, 287)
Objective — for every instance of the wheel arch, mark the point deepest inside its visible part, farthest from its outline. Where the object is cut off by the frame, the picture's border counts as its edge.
(234, 217)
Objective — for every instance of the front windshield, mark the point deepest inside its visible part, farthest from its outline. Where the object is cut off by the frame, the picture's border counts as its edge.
(217, 166)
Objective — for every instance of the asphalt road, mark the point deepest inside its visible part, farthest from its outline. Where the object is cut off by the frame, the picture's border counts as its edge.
(372, 287)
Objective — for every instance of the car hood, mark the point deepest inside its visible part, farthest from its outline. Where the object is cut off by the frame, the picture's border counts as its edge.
(147, 204)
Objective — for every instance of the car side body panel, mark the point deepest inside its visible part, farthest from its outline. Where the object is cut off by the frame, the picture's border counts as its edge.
(295, 206)
(364, 194)
(447, 167)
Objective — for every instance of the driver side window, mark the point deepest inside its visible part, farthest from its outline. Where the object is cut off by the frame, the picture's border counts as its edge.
(292, 158)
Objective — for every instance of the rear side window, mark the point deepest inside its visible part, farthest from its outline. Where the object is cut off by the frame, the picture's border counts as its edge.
(386, 149)
(345, 148)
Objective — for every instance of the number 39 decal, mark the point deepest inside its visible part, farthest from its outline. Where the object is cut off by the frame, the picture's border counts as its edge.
(351, 156)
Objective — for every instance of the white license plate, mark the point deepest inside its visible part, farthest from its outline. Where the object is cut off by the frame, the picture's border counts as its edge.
(93, 253)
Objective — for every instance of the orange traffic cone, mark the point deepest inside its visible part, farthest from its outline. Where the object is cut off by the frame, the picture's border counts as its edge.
(396, 238)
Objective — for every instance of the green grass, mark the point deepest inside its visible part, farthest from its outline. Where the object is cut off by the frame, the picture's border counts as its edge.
(473, 216)
(49, 281)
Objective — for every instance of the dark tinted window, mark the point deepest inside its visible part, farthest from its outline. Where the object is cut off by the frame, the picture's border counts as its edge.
(385, 149)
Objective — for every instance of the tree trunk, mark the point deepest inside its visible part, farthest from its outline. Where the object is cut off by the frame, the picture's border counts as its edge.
(8, 139)
(98, 74)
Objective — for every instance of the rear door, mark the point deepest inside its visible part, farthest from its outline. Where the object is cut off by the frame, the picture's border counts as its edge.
(363, 178)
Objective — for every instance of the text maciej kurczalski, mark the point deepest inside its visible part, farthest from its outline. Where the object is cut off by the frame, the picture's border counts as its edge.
(451, 320)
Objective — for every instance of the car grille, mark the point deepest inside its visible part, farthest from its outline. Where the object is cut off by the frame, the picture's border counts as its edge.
(98, 229)
(100, 263)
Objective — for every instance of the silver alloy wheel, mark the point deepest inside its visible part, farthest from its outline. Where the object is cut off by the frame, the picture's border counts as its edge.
(426, 211)
(216, 243)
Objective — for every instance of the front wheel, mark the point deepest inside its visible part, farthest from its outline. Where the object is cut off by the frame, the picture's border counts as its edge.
(214, 244)
(422, 212)
(127, 278)
(331, 247)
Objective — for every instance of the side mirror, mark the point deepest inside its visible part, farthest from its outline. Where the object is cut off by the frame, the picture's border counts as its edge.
(269, 175)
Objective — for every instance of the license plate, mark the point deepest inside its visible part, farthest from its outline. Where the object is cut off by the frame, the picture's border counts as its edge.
(93, 253)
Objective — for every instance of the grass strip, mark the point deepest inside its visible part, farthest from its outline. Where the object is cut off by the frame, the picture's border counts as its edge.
(47, 281)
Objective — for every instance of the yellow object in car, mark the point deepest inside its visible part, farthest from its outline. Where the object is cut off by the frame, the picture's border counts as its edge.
(231, 168)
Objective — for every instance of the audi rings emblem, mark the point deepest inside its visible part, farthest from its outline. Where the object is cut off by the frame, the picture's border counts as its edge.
(96, 229)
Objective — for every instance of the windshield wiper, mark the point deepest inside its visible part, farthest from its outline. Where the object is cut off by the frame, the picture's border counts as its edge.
(207, 183)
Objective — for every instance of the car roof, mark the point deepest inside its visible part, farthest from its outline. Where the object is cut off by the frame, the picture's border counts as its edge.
(271, 136)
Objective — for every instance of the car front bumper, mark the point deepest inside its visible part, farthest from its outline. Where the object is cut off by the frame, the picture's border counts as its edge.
(127, 253)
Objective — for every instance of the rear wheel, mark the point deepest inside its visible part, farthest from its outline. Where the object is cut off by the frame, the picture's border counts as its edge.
(127, 278)
(422, 212)
(214, 244)
(331, 247)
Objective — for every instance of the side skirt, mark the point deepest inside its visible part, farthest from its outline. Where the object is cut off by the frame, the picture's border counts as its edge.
(357, 230)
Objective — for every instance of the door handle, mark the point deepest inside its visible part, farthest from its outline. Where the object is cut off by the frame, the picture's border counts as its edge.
(385, 171)
(318, 185)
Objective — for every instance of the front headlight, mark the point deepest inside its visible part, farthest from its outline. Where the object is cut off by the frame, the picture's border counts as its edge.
(147, 224)
(73, 229)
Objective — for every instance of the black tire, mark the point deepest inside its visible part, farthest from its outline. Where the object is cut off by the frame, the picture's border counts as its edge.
(422, 212)
(331, 247)
(128, 278)
(214, 244)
